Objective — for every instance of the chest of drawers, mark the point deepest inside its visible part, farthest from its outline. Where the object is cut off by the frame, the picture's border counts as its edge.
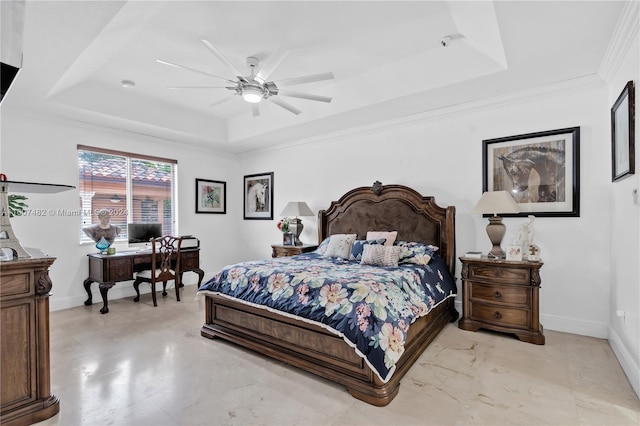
(502, 296)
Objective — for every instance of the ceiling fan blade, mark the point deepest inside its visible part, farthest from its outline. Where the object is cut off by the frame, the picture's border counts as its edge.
(255, 110)
(171, 64)
(221, 101)
(220, 56)
(271, 64)
(284, 105)
(304, 96)
(305, 79)
(196, 87)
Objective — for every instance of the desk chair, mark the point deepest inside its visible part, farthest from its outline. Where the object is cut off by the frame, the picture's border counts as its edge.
(165, 255)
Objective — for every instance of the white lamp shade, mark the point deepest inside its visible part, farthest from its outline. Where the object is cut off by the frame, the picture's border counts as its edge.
(296, 209)
(495, 203)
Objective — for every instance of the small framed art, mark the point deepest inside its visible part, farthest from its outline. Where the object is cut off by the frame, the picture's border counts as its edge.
(258, 196)
(288, 239)
(514, 253)
(211, 196)
(540, 170)
(623, 161)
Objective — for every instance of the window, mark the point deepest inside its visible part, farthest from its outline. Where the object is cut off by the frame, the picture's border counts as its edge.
(134, 188)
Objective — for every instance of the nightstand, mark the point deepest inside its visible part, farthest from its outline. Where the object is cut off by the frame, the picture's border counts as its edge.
(503, 296)
(280, 250)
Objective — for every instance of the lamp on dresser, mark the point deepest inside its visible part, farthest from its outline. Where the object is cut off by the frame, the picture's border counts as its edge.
(496, 202)
(296, 209)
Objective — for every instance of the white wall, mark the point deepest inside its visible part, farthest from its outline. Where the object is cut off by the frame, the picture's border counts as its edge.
(437, 155)
(38, 149)
(442, 156)
(624, 228)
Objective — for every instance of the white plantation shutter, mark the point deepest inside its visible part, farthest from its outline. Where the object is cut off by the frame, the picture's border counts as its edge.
(133, 187)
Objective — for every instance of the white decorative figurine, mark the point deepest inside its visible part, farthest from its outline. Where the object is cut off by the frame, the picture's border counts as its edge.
(525, 238)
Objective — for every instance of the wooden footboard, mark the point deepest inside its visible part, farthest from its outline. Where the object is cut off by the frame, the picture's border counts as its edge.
(315, 349)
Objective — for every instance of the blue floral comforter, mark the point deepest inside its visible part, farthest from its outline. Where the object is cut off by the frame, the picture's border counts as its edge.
(370, 307)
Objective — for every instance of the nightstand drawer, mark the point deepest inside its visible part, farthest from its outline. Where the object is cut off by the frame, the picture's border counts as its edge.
(281, 250)
(500, 315)
(502, 275)
(500, 294)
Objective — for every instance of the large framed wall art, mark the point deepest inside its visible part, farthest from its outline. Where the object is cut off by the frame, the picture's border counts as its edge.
(541, 170)
(623, 160)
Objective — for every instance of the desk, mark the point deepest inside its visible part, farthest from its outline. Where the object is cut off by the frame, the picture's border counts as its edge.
(108, 269)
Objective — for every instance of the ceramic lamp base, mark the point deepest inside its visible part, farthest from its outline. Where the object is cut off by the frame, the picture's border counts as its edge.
(496, 231)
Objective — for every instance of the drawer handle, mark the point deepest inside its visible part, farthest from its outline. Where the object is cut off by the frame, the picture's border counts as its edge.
(497, 295)
(497, 315)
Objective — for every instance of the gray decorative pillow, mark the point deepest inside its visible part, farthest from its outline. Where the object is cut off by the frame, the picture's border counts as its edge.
(379, 255)
(340, 245)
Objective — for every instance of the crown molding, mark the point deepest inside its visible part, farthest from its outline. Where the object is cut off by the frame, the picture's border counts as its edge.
(587, 82)
(622, 39)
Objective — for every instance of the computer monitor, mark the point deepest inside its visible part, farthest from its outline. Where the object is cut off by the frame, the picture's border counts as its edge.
(140, 234)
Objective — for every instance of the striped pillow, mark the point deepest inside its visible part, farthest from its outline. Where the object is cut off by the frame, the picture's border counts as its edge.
(379, 255)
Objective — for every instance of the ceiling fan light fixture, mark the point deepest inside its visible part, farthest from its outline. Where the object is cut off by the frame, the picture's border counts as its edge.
(252, 94)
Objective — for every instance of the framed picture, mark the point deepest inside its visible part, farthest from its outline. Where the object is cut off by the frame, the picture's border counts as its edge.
(288, 239)
(258, 196)
(623, 161)
(541, 171)
(514, 253)
(211, 196)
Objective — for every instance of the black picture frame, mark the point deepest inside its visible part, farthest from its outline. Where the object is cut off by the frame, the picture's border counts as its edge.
(541, 170)
(254, 209)
(211, 196)
(623, 161)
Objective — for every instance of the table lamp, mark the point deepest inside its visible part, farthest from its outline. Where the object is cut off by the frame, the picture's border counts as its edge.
(296, 208)
(496, 202)
(8, 239)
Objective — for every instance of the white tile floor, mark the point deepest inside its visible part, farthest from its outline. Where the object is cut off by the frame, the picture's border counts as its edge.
(140, 365)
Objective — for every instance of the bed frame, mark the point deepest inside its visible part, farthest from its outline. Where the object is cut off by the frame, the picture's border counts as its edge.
(314, 349)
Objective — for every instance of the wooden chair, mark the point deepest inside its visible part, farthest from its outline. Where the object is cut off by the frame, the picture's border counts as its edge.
(165, 256)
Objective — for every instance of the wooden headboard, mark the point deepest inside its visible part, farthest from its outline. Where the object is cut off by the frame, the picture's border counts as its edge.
(392, 208)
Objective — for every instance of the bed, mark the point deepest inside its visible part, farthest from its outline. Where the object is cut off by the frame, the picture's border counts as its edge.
(313, 344)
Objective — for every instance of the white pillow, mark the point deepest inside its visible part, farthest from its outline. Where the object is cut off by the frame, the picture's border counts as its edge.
(379, 255)
(390, 236)
(340, 245)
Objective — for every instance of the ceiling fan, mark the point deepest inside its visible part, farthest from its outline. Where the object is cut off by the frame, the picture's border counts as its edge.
(254, 87)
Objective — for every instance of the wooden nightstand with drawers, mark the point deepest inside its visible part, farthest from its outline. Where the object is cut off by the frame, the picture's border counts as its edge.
(503, 296)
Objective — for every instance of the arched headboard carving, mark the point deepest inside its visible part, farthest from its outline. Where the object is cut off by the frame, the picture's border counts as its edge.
(392, 208)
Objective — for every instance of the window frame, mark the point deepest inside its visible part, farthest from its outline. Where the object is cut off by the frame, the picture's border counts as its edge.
(129, 158)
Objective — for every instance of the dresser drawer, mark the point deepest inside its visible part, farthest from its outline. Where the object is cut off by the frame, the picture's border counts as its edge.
(120, 270)
(500, 315)
(502, 275)
(17, 284)
(509, 295)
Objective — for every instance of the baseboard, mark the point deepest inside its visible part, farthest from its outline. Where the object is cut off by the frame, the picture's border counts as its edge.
(574, 326)
(116, 292)
(565, 325)
(629, 365)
